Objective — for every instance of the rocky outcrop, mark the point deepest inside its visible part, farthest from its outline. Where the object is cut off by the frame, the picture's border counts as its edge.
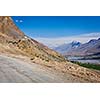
(8, 30)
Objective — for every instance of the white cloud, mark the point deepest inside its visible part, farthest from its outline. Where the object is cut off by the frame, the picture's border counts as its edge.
(19, 21)
(16, 20)
(53, 42)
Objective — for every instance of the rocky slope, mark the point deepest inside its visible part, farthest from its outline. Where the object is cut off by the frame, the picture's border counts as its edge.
(13, 41)
(8, 29)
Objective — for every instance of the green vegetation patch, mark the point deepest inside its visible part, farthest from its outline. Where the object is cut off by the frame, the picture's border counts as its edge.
(88, 65)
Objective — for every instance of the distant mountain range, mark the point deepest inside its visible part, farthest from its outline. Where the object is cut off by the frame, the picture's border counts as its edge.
(63, 49)
(58, 41)
(78, 49)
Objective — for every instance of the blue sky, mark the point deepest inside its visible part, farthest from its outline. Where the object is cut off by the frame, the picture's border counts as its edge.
(57, 26)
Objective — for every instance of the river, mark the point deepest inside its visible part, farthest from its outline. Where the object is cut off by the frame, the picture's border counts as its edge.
(80, 59)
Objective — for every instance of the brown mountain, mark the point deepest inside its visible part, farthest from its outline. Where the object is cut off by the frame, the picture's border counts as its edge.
(13, 41)
(11, 36)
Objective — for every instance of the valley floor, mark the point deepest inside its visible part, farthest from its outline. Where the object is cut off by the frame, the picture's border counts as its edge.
(14, 70)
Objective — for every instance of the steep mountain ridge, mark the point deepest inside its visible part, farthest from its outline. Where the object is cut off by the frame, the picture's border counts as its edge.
(17, 42)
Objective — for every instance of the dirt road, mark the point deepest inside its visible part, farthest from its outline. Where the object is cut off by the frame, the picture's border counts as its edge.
(14, 70)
